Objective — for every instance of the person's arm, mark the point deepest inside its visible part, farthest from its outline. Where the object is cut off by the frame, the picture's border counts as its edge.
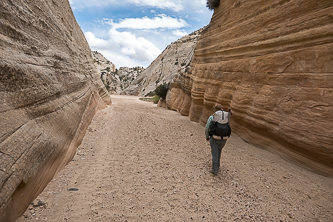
(209, 122)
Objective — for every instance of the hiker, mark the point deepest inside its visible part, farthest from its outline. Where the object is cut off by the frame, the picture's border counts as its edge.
(217, 131)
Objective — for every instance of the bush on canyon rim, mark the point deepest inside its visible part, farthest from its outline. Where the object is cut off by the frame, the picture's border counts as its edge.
(212, 4)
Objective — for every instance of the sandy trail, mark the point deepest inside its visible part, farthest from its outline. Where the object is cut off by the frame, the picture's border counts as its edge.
(140, 162)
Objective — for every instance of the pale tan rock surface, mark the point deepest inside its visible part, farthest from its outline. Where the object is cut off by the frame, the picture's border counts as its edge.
(157, 169)
(271, 62)
(49, 92)
(102, 63)
(177, 56)
(115, 80)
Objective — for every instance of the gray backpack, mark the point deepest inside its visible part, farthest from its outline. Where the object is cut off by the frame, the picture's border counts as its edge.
(220, 125)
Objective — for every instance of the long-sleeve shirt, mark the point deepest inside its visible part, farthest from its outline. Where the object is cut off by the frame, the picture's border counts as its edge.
(209, 122)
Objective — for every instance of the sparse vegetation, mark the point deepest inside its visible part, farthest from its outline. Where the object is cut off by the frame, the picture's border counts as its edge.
(159, 92)
(147, 99)
(151, 93)
(156, 98)
(162, 90)
(153, 99)
(116, 80)
(212, 4)
(97, 61)
(106, 84)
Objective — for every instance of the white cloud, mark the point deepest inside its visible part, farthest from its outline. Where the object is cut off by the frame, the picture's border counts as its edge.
(174, 5)
(180, 33)
(160, 4)
(121, 61)
(200, 11)
(125, 48)
(95, 42)
(160, 21)
(137, 39)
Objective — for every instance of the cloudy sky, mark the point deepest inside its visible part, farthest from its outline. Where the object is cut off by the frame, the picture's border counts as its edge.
(134, 32)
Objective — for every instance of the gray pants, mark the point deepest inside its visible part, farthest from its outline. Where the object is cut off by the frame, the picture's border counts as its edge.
(216, 147)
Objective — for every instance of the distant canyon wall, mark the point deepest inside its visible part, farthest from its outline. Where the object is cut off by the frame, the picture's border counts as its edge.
(177, 56)
(49, 93)
(271, 62)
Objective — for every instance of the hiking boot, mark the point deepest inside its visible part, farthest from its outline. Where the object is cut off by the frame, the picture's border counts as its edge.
(213, 174)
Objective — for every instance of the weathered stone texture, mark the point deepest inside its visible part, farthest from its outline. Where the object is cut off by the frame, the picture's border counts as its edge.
(166, 66)
(49, 92)
(271, 62)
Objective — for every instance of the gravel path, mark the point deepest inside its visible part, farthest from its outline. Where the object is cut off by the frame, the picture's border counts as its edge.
(140, 162)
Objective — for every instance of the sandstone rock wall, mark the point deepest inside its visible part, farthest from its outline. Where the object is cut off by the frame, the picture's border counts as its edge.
(166, 66)
(102, 63)
(271, 62)
(115, 80)
(49, 92)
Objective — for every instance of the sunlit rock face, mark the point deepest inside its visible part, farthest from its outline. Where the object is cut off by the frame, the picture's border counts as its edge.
(166, 66)
(49, 92)
(271, 62)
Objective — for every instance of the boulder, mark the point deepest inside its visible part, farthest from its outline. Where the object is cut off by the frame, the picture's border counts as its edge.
(49, 93)
(271, 62)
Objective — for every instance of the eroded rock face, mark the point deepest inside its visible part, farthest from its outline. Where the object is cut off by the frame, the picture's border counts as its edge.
(271, 62)
(177, 56)
(49, 92)
(115, 80)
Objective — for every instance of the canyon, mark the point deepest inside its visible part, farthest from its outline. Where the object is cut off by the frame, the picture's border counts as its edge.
(271, 63)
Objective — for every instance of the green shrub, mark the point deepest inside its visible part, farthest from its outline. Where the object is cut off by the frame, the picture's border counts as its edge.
(162, 90)
(156, 98)
(147, 99)
(151, 93)
(212, 4)
(106, 84)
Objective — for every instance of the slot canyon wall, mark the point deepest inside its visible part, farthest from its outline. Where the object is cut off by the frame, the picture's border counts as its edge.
(49, 93)
(271, 62)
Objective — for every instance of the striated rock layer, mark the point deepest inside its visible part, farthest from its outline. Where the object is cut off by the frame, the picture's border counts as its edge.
(271, 62)
(49, 92)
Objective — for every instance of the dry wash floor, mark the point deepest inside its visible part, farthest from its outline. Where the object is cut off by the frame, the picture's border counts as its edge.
(140, 162)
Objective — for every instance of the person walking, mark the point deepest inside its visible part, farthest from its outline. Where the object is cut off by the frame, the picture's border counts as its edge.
(217, 130)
